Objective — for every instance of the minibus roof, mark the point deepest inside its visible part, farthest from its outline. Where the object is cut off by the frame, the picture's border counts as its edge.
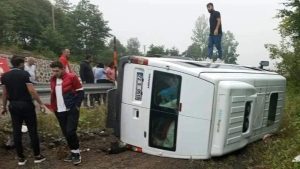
(197, 67)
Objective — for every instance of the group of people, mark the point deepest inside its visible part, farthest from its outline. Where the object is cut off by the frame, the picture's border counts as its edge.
(67, 95)
(97, 74)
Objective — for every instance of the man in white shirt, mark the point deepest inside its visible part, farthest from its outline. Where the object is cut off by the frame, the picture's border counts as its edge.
(66, 97)
(30, 67)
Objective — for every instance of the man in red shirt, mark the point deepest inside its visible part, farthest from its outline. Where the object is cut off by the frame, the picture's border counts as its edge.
(66, 97)
(64, 59)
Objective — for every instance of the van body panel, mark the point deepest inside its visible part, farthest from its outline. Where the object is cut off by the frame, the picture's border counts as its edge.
(214, 109)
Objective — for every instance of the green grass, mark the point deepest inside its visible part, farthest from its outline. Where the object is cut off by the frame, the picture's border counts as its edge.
(48, 125)
(279, 152)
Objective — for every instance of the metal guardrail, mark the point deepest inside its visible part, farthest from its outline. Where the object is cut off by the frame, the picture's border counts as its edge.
(44, 90)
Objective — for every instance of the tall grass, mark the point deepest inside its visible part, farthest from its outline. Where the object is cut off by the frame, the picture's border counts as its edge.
(48, 125)
(281, 150)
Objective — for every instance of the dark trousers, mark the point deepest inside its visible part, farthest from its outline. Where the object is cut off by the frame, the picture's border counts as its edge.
(68, 122)
(214, 40)
(24, 112)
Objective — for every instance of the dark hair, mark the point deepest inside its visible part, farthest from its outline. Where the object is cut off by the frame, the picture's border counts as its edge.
(87, 57)
(17, 60)
(57, 64)
(111, 65)
(100, 65)
(210, 4)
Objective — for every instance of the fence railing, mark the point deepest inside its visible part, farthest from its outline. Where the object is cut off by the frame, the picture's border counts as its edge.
(44, 90)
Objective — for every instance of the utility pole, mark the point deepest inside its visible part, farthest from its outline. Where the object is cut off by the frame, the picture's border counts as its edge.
(115, 57)
(53, 16)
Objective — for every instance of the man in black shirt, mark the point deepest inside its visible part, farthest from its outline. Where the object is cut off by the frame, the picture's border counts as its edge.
(87, 76)
(215, 34)
(19, 91)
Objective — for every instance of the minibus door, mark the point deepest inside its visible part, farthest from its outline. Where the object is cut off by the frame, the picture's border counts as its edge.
(164, 107)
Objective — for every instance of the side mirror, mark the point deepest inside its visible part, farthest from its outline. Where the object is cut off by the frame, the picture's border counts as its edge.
(263, 63)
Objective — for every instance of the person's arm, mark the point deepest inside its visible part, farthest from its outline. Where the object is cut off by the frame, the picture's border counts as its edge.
(216, 32)
(32, 91)
(35, 74)
(34, 95)
(77, 86)
(4, 100)
(63, 61)
(109, 74)
(81, 72)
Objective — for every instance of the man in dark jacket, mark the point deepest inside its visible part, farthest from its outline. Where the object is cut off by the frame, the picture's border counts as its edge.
(87, 76)
(66, 97)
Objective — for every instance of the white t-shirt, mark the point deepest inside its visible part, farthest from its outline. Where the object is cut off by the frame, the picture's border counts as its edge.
(61, 107)
(31, 71)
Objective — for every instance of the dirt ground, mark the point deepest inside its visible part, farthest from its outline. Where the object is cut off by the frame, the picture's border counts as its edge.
(96, 158)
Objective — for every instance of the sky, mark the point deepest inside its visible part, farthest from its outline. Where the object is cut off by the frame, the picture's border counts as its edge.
(170, 23)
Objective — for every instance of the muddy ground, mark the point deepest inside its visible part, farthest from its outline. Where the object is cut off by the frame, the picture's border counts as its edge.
(96, 157)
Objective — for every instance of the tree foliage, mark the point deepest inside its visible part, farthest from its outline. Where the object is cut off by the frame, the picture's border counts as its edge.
(199, 48)
(133, 46)
(172, 52)
(156, 50)
(288, 51)
(91, 30)
(290, 19)
(29, 25)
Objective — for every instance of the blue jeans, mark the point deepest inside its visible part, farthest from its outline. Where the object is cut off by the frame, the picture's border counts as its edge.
(214, 40)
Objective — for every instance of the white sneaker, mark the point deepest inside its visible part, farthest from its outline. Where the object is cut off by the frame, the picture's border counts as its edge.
(22, 161)
(296, 159)
(208, 60)
(219, 61)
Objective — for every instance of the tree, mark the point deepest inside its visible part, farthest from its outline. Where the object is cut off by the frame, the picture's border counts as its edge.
(156, 50)
(290, 23)
(7, 21)
(133, 46)
(28, 24)
(193, 51)
(198, 50)
(91, 29)
(63, 5)
(172, 52)
(288, 51)
(52, 40)
(229, 45)
(200, 36)
(32, 16)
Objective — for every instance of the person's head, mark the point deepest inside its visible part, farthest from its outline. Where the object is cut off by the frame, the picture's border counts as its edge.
(210, 7)
(173, 81)
(17, 61)
(111, 65)
(100, 65)
(88, 58)
(66, 52)
(30, 61)
(57, 68)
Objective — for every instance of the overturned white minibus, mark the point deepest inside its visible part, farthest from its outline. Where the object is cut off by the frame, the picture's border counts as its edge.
(193, 110)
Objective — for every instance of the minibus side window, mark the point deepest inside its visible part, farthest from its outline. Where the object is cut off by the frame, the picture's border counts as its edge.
(165, 91)
(272, 109)
(247, 112)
